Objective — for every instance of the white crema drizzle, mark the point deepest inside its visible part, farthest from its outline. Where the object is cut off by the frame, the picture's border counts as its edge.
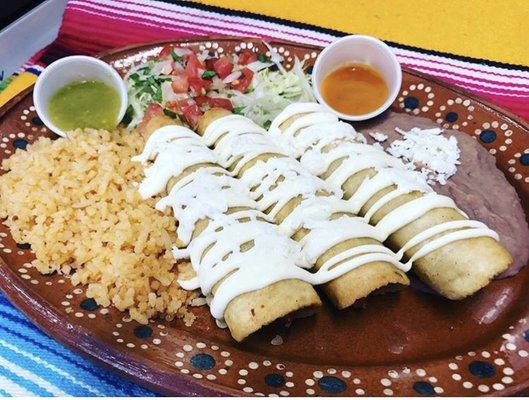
(216, 253)
(173, 149)
(274, 182)
(208, 193)
(311, 132)
(203, 194)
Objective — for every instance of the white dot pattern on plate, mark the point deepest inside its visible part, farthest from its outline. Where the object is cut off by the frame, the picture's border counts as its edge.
(456, 372)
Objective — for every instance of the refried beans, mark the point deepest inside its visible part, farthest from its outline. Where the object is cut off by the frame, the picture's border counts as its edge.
(479, 188)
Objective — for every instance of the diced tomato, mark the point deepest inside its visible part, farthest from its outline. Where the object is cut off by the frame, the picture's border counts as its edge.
(179, 104)
(222, 103)
(192, 66)
(172, 105)
(247, 57)
(223, 67)
(214, 102)
(197, 84)
(192, 114)
(152, 110)
(166, 51)
(243, 82)
(203, 100)
(210, 63)
(180, 84)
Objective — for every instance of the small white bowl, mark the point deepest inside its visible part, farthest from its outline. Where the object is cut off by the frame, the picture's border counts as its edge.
(358, 49)
(74, 69)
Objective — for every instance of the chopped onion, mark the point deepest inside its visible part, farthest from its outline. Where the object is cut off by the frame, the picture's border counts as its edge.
(157, 67)
(256, 66)
(167, 67)
(169, 95)
(217, 84)
(167, 92)
(177, 66)
(231, 77)
(203, 56)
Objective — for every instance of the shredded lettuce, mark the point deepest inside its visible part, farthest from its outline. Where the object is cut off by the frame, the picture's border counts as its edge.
(271, 92)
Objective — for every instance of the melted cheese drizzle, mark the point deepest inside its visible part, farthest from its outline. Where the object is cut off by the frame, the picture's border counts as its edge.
(319, 139)
(274, 180)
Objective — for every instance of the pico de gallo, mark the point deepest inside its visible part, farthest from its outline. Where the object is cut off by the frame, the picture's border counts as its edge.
(183, 85)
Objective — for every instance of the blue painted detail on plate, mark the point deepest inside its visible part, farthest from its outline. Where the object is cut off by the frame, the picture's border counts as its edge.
(487, 136)
(331, 384)
(424, 388)
(20, 144)
(482, 369)
(524, 159)
(526, 335)
(411, 102)
(143, 331)
(274, 380)
(89, 304)
(24, 246)
(451, 116)
(202, 361)
(37, 121)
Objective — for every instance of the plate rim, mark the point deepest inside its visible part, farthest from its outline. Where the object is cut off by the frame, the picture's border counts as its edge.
(135, 368)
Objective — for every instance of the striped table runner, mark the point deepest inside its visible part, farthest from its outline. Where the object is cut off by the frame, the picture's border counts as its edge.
(33, 364)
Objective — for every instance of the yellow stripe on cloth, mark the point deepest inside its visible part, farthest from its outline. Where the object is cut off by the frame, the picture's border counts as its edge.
(17, 85)
(492, 30)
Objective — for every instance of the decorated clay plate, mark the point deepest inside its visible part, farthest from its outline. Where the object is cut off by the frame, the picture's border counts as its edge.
(407, 343)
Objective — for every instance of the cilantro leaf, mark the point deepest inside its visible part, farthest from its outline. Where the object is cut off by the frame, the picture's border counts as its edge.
(208, 74)
(238, 110)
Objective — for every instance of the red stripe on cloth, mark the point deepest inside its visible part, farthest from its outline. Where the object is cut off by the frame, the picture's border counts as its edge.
(106, 31)
(460, 65)
(246, 22)
(173, 24)
(515, 105)
(471, 81)
(485, 79)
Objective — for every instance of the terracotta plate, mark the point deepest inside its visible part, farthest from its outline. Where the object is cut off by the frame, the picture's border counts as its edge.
(410, 343)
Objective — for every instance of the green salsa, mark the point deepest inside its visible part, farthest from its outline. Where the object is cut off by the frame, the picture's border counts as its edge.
(86, 104)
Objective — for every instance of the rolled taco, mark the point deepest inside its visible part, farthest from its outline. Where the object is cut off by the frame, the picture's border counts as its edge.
(453, 254)
(226, 239)
(337, 243)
